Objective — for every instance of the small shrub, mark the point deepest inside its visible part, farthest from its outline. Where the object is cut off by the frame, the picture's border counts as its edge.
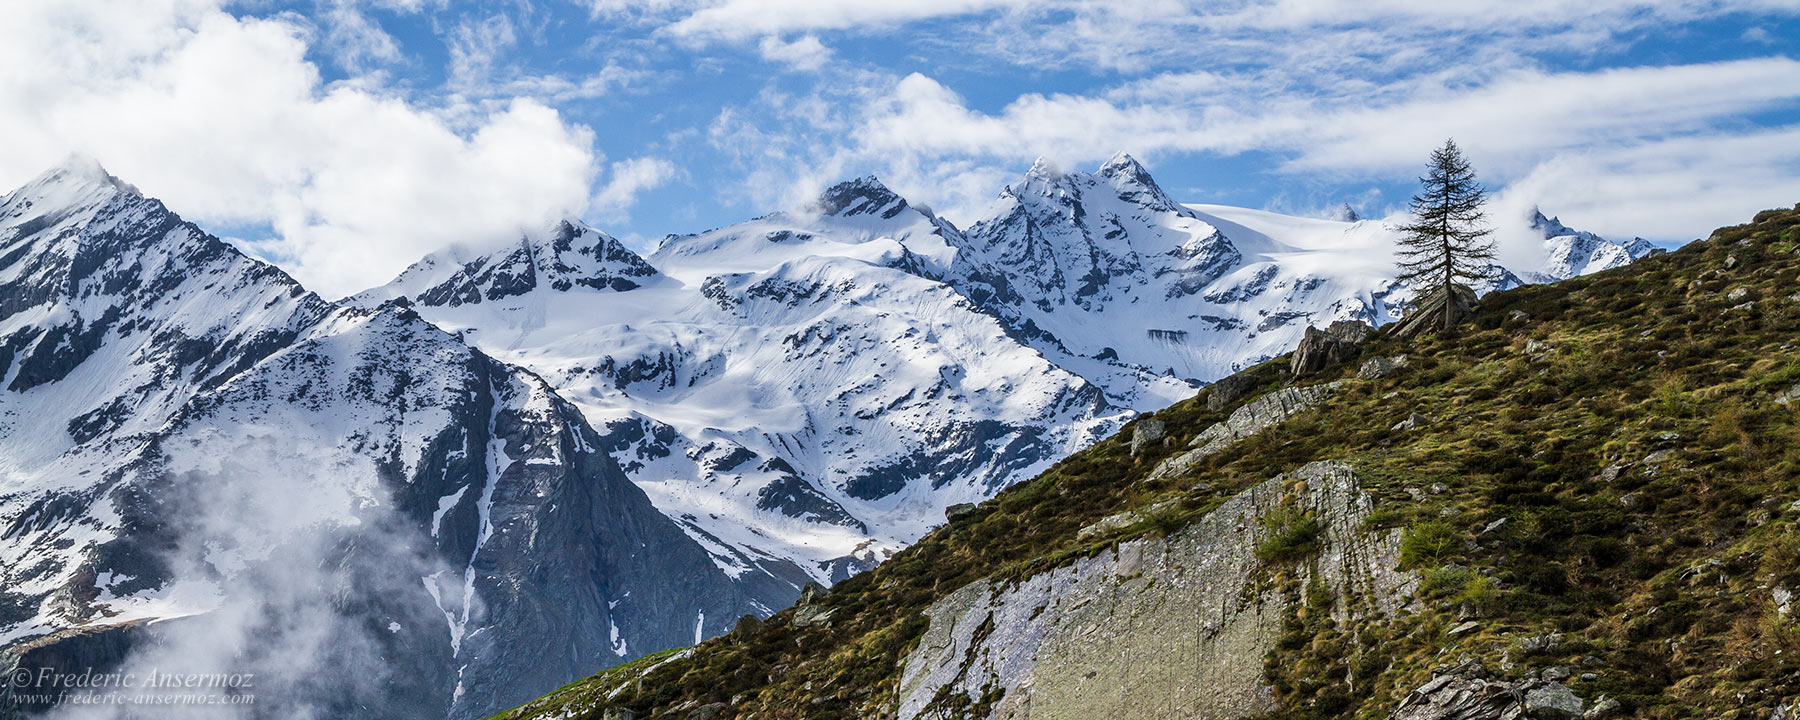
(1432, 542)
(1292, 535)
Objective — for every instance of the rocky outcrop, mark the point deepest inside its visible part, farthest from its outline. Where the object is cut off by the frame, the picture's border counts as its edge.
(1248, 420)
(1228, 390)
(1159, 627)
(1380, 367)
(1453, 697)
(1427, 314)
(1320, 349)
(1145, 432)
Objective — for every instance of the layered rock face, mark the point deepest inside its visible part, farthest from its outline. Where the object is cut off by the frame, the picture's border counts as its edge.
(1158, 627)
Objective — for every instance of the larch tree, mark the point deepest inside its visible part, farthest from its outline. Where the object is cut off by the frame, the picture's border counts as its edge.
(1446, 245)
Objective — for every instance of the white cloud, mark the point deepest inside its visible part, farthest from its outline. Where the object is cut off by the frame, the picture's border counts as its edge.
(625, 180)
(1518, 124)
(355, 41)
(744, 19)
(806, 53)
(224, 119)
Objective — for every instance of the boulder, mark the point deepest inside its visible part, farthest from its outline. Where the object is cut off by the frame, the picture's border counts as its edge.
(962, 510)
(618, 713)
(1412, 421)
(1427, 314)
(1451, 697)
(1145, 432)
(1541, 644)
(1321, 349)
(1606, 708)
(1228, 390)
(1552, 701)
(709, 711)
(1379, 367)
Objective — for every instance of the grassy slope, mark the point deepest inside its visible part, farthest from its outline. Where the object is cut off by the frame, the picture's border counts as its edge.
(1663, 572)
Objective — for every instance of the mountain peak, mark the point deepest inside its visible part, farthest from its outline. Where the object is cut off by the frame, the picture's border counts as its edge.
(1122, 163)
(863, 196)
(1044, 168)
(1345, 213)
(1133, 182)
(77, 181)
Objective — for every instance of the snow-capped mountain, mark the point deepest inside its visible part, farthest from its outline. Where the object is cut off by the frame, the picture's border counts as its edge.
(1148, 298)
(809, 390)
(1573, 252)
(203, 463)
(797, 391)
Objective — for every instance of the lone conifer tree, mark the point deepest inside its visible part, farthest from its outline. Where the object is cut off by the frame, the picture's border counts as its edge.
(1446, 243)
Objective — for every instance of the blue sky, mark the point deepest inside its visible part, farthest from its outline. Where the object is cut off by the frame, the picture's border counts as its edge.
(345, 139)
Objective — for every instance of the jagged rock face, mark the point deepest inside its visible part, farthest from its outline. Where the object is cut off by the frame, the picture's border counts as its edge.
(320, 489)
(1320, 349)
(1573, 252)
(1452, 697)
(1119, 635)
(565, 256)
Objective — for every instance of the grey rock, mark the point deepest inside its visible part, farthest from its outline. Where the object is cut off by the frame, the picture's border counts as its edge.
(1379, 367)
(1737, 295)
(1604, 709)
(811, 593)
(1451, 697)
(1541, 644)
(810, 615)
(1552, 701)
(1064, 641)
(1556, 673)
(1538, 347)
(1631, 501)
(1493, 526)
(1746, 307)
(1465, 627)
(1320, 349)
(1250, 419)
(1412, 421)
(959, 511)
(1427, 314)
(1788, 396)
(1590, 677)
(1783, 599)
(1731, 261)
(1659, 457)
(618, 713)
(1145, 432)
(1609, 473)
(1228, 390)
(1518, 316)
(709, 711)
